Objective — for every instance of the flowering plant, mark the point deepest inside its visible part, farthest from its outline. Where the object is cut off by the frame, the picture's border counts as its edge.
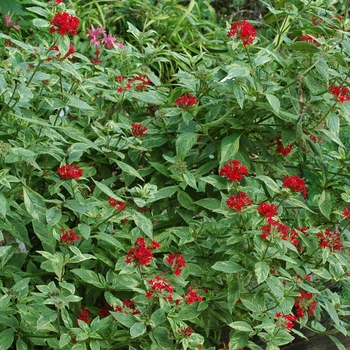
(156, 197)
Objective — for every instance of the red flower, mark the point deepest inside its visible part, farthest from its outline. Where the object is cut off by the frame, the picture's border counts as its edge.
(160, 287)
(341, 93)
(267, 209)
(185, 332)
(233, 170)
(70, 171)
(295, 183)
(120, 206)
(285, 321)
(58, 1)
(346, 212)
(138, 130)
(310, 39)
(141, 254)
(64, 23)
(192, 296)
(239, 201)
(244, 30)
(186, 101)
(140, 82)
(275, 229)
(83, 315)
(305, 303)
(281, 149)
(128, 307)
(330, 239)
(177, 262)
(68, 236)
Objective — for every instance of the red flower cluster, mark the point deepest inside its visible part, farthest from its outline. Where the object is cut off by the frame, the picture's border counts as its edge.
(68, 236)
(128, 307)
(233, 170)
(295, 183)
(177, 262)
(285, 321)
(341, 93)
(64, 23)
(185, 332)
(330, 239)
(192, 296)
(139, 83)
(160, 287)
(239, 201)
(310, 39)
(141, 254)
(281, 149)
(58, 1)
(138, 130)
(346, 212)
(120, 206)
(267, 209)
(186, 101)
(83, 315)
(71, 51)
(70, 171)
(305, 303)
(275, 229)
(244, 30)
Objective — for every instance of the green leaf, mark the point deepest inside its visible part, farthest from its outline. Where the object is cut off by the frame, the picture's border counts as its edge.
(229, 147)
(34, 204)
(227, 266)
(337, 342)
(274, 102)
(209, 203)
(76, 102)
(184, 143)
(271, 184)
(88, 276)
(137, 330)
(190, 179)
(40, 23)
(325, 204)
(3, 205)
(303, 46)
(165, 192)
(144, 223)
(261, 271)
(6, 338)
(125, 319)
(185, 199)
(241, 326)
(53, 216)
(129, 169)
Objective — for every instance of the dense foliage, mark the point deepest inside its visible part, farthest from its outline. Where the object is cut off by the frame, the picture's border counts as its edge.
(169, 181)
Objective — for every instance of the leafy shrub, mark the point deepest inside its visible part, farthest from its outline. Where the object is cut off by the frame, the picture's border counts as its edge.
(165, 193)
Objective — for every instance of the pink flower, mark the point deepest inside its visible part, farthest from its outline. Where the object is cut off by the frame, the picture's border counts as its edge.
(244, 30)
(93, 34)
(7, 21)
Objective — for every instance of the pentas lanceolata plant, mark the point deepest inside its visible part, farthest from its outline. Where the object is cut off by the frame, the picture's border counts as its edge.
(153, 197)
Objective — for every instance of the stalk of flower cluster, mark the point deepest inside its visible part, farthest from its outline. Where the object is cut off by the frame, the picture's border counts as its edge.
(7, 110)
(253, 70)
